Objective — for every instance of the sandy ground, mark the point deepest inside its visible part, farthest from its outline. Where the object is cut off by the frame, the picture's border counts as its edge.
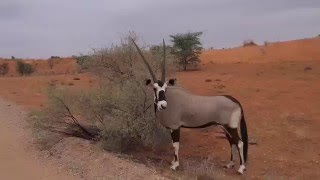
(281, 102)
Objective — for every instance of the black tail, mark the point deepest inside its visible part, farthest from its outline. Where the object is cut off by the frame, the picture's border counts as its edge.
(244, 136)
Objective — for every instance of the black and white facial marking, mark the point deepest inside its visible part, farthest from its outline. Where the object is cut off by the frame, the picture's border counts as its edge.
(159, 89)
(159, 95)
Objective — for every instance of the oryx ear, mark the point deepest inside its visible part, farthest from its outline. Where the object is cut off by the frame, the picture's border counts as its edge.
(148, 81)
(172, 82)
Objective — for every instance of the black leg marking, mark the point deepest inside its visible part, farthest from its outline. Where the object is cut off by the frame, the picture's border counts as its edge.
(175, 135)
(234, 140)
(230, 142)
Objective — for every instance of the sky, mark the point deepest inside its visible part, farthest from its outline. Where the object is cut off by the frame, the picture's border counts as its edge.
(44, 28)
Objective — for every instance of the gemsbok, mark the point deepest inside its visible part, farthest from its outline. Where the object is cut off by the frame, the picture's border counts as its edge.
(176, 108)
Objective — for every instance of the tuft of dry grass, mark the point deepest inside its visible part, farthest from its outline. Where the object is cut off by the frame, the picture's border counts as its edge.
(203, 168)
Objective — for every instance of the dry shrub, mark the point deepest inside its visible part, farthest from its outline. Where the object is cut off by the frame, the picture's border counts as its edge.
(131, 119)
(4, 69)
(60, 119)
(120, 110)
(24, 68)
(51, 62)
(249, 42)
(122, 62)
(82, 62)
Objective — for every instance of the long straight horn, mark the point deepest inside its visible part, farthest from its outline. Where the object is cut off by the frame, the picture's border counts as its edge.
(145, 61)
(163, 76)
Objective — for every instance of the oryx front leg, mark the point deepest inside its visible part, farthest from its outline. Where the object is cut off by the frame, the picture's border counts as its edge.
(175, 135)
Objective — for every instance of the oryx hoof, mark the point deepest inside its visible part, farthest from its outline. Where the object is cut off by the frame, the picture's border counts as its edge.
(172, 162)
(229, 165)
(175, 165)
(241, 169)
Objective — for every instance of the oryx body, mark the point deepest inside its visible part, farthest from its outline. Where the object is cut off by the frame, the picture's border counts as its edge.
(177, 108)
(185, 109)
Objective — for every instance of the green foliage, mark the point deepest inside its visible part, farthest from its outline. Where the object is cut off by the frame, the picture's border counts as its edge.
(24, 68)
(82, 61)
(187, 48)
(4, 69)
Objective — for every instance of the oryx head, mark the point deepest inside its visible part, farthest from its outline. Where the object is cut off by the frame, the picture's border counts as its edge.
(159, 86)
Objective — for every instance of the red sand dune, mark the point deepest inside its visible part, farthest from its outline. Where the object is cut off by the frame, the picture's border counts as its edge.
(297, 50)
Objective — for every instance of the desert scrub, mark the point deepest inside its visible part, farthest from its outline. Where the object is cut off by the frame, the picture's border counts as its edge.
(4, 69)
(120, 119)
(119, 113)
(59, 120)
(24, 68)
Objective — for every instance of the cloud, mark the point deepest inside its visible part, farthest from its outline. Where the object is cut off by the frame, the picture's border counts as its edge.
(37, 28)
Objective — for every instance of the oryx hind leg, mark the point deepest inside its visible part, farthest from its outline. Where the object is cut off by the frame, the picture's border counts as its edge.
(235, 140)
(229, 137)
(175, 135)
(231, 163)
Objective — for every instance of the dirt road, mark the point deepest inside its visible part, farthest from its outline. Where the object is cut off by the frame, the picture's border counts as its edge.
(18, 159)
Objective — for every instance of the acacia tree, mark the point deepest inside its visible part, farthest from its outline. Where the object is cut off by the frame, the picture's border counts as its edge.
(187, 48)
